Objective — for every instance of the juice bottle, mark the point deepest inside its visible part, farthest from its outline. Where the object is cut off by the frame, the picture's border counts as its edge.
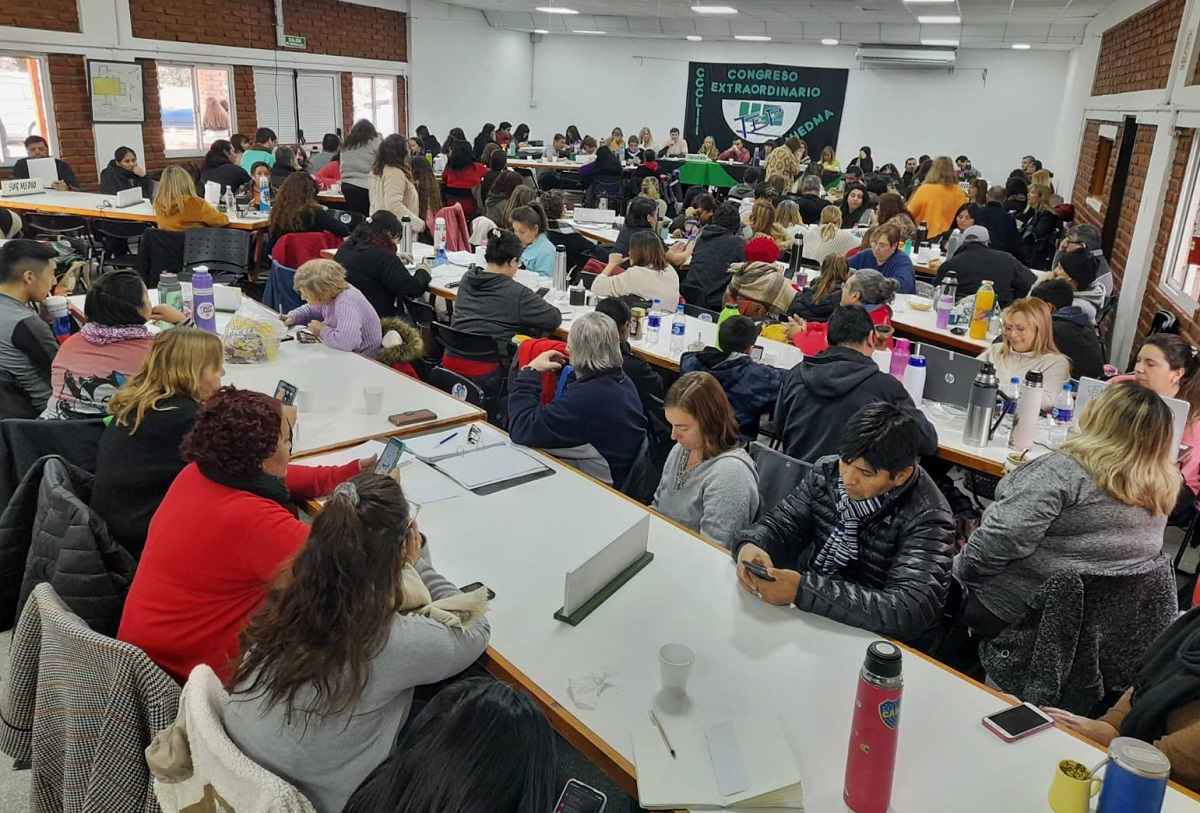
(985, 300)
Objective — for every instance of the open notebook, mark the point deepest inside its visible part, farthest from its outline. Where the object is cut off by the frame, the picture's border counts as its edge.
(454, 441)
(739, 764)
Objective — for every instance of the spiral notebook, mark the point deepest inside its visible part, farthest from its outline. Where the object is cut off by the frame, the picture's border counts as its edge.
(490, 466)
(455, 441)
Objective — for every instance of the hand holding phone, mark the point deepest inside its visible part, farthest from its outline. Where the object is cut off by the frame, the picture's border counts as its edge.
(758, 570)
(580, 798)
(390, 459)
(285, 393)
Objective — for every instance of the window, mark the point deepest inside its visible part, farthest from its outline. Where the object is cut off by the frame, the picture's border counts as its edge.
(23, 105)
(197, 106)
(1181, 270)
(375, 100)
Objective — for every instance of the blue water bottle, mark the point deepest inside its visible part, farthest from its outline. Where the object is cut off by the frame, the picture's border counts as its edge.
(264, 193)
(204, 306)
(1135, 778)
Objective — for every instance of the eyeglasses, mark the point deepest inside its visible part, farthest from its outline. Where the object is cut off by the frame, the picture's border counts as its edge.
(1020, 330)
(414, 511)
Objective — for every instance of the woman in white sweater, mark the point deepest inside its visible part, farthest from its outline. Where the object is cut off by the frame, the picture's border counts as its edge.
(391, 183)
(649, 275)
(829, 237)
(1029, 345)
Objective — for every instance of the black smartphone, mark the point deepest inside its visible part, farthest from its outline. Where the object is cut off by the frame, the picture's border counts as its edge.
(473, 586)
(285, 393)
(541, 292)
(580, 798)
(758, 570)
(390, 457)
(756, 352)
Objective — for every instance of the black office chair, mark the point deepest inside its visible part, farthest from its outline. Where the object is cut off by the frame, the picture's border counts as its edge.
(161, 251)
(446, 381)
(117, 240)
(424, 316)
(697, 311)
(480, 348)
(226, 253)
(778, 475)
(70, 228)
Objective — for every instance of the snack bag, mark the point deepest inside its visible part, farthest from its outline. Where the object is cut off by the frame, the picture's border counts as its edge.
(253, 334)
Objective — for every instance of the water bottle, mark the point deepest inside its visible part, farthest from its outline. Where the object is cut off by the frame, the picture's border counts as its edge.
(950, 289)
(60, 317)
(204, 306)
(793, 271)
(559, 278)
(1064, 409)
(871, 757)
(678, 330)
(995, 327)
(953, 243)
(914, 378)
(900, 356)
(602, 203)
(170, 292)
(921, 235)
(908, 246)
(985, 301)
(230, 202)
(653, 322)
(883, 359)
(439, 234)
(729, 310)
(264, 193)
(621, 154)
(512, 148)
(757, 156)
(1014, 395)
(981, 407)
(1135, 778)
(406, 236)
(1029, 409)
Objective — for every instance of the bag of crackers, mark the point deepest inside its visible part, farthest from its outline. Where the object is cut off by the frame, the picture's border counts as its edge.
(253, 334)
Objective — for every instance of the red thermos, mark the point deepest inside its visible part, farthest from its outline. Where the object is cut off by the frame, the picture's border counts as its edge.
(871, 762)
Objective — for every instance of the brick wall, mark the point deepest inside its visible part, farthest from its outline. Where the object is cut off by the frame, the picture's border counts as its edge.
(1136, 54)
(1155, 300)
(402, 104)
(46, 15)
(152, 132)
(244, 102)
(73, 115)
(334, 28)
(347, 103)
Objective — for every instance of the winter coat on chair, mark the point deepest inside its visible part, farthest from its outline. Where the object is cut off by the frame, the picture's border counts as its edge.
(48, 534)
(402, 345)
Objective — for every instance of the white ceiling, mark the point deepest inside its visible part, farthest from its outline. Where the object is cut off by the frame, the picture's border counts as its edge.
(1044, 24)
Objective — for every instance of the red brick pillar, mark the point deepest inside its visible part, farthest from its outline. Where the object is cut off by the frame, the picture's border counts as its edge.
(73, 117)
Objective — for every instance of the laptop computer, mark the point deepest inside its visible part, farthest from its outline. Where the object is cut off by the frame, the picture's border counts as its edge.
(128, 197)
(948, 374)
(1089, 388)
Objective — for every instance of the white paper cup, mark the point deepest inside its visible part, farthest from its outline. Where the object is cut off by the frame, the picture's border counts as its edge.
(675, 664)
(373, 396)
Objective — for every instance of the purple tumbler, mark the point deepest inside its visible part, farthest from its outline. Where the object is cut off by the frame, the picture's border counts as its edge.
(945, 305)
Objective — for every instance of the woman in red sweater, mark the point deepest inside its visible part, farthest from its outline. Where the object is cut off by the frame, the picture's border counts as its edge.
(221, 532)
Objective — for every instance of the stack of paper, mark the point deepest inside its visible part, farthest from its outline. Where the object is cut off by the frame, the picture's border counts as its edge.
(496, 464)
(452, 442)
(741, 764)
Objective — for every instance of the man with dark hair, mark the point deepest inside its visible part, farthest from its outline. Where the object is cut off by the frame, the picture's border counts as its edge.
(1074, 335)
(746, 188)
(330, 144)
(976, 260)
(647, 380)
(27, 346)
(37, 147)
(866, 539)
(675, 147)
(752, 387)
(262, 150)
(810, 200)
(558, 147)
(719, 246)
(966, 172)
(1002, 229)
(820, 391)
(503, 134)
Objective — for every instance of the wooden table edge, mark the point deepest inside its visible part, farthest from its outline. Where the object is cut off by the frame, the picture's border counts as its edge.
(949, 342)
(107, 214)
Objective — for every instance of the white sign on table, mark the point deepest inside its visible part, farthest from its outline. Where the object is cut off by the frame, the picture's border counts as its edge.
(16, 187)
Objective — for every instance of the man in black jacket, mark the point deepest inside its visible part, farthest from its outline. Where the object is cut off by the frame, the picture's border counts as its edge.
(866, 540)
(820, 391)
(1001, 225)
(37, 147)
(976, 261)
(1074, 335)
(719, 246)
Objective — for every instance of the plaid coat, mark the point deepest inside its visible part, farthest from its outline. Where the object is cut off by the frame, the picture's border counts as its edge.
(82, 708)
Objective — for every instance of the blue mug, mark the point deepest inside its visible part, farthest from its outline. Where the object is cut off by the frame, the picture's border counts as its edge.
(1135, 778)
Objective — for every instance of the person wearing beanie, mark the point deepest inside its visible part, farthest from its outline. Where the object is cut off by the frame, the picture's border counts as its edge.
(976, 261)
(1079, 269)
(760, 282)
(752, 387)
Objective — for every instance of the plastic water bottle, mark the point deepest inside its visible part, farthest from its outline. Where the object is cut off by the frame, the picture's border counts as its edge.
(654, 322)
(1063, 411)
(230, 202)
(264, 193)
(439, 233)
(914, 378)
(678, 330)
(602, 203)
(170, 292)
(900, 356)
(203, 303)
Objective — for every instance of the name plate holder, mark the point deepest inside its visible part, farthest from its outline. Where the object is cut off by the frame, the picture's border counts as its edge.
(16, 187)
(593, 582)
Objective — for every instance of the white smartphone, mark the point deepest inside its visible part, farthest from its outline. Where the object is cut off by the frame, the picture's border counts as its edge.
(580, 798)
(1017, 722)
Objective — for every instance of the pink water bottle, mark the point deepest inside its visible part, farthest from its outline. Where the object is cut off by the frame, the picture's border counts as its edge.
(871, 761)
(900, 355)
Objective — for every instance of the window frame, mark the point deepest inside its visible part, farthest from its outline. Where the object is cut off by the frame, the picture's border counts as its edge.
(197, 124)
(395, 123)
(1175, 261)
(51, 134)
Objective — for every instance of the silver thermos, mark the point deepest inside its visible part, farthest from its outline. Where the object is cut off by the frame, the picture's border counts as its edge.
(981, 407)
(560, 270)
(406, 236)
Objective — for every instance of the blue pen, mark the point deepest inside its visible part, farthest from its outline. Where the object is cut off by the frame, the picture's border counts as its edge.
(449, 437)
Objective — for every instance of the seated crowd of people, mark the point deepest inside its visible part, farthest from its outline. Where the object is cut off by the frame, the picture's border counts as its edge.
(322, 633)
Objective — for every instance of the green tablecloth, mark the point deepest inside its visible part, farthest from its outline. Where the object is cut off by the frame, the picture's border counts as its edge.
(705, 173)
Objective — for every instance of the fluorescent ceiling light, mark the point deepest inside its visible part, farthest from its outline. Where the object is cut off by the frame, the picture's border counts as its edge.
(694, 38)
(556, 10)
(829, 42)
(751, 38)
(540, 31)
(714, 9)
(1020, 46)
(939, 19)
(944, 43)
(589, 32)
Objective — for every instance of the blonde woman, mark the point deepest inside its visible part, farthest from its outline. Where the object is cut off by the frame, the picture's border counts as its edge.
(1043, 177)
(336, 311)
(650, 190)
(178, 207)
(1099, 502)
(784, 164)
(938, 198)
(138, 457)
(762, 223)
(787, 217)
(1029, 345)
(828, 236)
(709, 148)
(829, 161)
(649, 275)
(1038, 224)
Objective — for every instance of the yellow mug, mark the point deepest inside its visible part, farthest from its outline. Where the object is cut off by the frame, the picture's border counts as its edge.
(1072, 788)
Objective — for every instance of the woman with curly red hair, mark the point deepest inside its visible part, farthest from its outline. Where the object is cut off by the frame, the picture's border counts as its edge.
(222, 532)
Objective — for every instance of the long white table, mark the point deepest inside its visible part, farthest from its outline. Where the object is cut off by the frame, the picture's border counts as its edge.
(751, 658)
(88, 204)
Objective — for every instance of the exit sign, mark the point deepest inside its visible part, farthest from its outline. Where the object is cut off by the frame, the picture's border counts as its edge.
(295, 42)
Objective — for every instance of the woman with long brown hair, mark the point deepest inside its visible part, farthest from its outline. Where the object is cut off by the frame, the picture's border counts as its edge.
(296, 209)
(327, 666)
(429, 193)
(391, 184)
(891, 209)
(818, 301)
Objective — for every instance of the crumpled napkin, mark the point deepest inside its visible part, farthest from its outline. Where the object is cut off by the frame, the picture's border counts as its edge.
(585, 690)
